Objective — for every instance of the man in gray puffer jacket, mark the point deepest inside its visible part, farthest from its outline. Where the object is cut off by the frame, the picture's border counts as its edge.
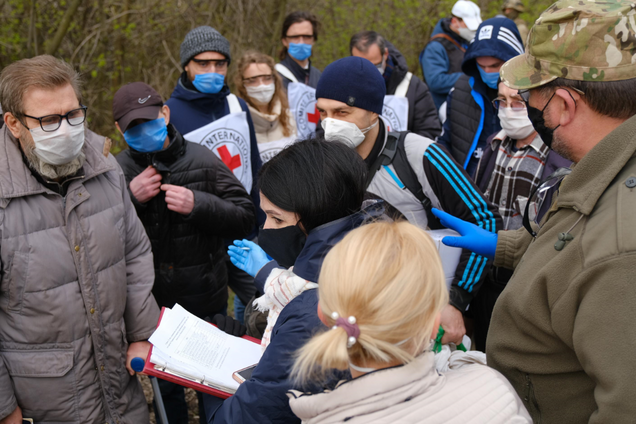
(76, 266)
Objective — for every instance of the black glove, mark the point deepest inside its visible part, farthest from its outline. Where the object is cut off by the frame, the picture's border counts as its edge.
(229, 325)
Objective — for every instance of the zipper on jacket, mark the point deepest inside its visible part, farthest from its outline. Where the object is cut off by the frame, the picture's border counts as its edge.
(530, 398)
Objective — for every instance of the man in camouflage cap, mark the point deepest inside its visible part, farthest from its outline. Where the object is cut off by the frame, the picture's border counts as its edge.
(563, 330)
(511, 10)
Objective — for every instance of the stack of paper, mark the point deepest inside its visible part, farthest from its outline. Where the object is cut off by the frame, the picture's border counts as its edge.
(190, 348)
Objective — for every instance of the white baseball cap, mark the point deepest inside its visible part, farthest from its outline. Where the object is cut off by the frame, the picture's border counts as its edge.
(469, 12)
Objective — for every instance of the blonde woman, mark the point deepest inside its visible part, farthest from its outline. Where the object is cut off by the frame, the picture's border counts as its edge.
(261, 87)
(381, 290)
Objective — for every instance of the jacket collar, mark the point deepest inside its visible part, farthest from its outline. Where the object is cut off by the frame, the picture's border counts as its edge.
(321, 239)
(176, 148)
(299, 72)
(590, 178)
(371, 392)
(17, 179)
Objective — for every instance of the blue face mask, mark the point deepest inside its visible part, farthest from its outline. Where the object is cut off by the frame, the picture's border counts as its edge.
(210, 83)
(489, 78)
(147, 137)
(299, 51)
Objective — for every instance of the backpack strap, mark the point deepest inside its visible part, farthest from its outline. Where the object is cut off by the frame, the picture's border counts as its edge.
(385, 157)
(447, 37)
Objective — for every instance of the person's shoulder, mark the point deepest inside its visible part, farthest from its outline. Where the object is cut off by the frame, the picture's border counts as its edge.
(301, 312)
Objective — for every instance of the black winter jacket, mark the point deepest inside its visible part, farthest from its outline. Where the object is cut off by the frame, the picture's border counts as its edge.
(309, 76)
(189, 251)
(423, 118)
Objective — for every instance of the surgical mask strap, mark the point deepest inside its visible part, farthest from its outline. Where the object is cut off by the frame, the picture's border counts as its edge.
(370, 127)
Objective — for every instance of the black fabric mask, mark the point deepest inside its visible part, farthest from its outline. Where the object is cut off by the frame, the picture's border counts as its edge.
(282, 244)
(536, 117)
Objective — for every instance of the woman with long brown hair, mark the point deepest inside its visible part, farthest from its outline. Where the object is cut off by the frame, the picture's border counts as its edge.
(261, 87)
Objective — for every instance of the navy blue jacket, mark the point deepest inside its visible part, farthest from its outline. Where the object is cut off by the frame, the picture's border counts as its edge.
(263, 398)
(471, 99)
(437, 68)
(190, 110)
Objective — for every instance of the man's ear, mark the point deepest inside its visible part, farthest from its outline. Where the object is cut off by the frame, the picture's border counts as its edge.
(285, 42)
(13, 124)
(165, 110)
(568, 106)
(386, 54)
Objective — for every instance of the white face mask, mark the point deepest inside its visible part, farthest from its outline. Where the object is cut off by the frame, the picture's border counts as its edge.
(467, 34)
(262, 94)
(381, 67)
(515, 122)
(345, 132)
(58, 147)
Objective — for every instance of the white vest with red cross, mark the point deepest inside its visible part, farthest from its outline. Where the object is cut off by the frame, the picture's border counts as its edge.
(229, 139)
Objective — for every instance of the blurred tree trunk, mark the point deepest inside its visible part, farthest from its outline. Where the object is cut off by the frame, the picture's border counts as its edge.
(53, 45)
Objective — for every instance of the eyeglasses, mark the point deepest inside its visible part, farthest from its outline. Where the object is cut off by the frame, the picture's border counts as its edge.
(50, 123)
(525, 94)
(212, 63)
(258, 80)
(300, 38)
(538, 196)
(503, 103)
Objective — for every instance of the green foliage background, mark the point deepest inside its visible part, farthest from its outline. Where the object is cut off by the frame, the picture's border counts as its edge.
(113, 42)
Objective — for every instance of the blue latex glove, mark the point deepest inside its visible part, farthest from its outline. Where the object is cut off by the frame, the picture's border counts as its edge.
(473, 237)
(250, 261)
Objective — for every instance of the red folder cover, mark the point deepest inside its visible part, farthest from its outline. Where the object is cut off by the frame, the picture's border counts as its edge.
(149, 369)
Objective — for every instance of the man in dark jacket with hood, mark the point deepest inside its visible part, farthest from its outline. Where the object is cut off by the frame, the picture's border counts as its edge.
(471, 117)
(188, 202)
(205, 112)
(442, 57)
(422, 116)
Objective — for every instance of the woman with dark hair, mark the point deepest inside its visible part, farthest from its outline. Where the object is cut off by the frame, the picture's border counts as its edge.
(312, 194)
(262, 88)
(300, 32)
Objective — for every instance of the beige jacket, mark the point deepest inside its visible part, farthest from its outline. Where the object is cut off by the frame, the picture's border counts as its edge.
(416, 393)
(267, 127)
(75, 290)
(563, 331)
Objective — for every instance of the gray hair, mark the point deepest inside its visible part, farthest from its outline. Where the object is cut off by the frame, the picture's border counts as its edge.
(365, 39)
(43, 71)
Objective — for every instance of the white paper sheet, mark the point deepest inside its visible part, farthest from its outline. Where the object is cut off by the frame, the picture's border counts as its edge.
(191, 346)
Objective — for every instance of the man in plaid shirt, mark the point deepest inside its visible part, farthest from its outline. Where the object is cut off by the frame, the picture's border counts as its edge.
(515, 162)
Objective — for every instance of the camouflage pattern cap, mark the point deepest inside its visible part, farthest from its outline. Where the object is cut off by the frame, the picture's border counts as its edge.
(514, 4)
(582, 40)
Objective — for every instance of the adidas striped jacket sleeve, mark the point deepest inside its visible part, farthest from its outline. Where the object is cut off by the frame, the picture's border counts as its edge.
(459, 196)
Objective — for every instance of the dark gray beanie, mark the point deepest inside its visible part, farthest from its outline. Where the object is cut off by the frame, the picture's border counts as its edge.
(203, 39)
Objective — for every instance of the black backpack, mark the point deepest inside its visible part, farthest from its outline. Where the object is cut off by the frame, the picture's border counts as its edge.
(395, 153)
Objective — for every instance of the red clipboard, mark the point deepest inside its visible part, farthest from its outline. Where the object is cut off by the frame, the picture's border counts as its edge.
(149, 369)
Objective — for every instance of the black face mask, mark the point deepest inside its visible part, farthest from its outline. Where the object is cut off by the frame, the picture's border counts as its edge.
(536, 117)
(282, 244)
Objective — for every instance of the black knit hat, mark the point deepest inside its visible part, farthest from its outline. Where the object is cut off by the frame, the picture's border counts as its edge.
(203, 39)
(354, 81)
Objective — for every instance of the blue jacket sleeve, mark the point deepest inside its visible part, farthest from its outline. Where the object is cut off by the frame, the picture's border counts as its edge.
(435, 65)
(263, 398)
(256, 165)
(444, 137)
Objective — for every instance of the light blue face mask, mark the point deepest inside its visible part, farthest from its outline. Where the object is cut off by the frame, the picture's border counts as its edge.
(210, 83)
(147, 137)
(299, 51)
(489, 78)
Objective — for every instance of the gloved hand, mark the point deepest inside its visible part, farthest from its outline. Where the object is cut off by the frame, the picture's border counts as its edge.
(473, 237)
(229, 325)
(250, 261)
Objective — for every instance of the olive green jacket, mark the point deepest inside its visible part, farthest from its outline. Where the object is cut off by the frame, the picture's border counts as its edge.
(564, 329)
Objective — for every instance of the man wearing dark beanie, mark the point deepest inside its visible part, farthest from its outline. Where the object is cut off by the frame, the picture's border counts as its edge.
(409, 171)
(205, 112)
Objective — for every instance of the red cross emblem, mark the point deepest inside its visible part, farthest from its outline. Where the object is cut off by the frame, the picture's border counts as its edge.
(232, 162)
(314, 117)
